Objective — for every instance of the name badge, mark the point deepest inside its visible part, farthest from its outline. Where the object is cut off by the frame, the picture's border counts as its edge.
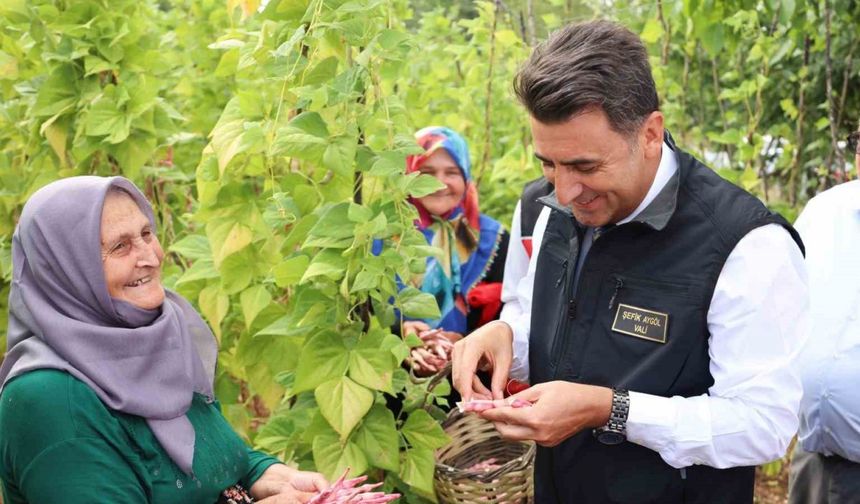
(641, 323)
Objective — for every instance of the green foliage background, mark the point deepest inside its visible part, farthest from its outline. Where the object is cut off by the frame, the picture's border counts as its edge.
(271, 140)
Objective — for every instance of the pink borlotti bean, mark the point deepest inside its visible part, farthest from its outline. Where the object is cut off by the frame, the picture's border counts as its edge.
(351, 491)
(485, 404)
(485, 465)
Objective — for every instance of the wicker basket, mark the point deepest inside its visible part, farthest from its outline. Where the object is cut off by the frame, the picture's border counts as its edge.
(473, 440)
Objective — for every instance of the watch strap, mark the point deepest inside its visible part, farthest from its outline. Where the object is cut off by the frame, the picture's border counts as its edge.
(617, 415)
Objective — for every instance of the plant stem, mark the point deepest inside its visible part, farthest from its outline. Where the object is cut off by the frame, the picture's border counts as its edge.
(488, 108)
(667, 33)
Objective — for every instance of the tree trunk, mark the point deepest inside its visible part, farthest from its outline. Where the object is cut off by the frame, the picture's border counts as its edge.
(831, 101)
(530, 23)
(796, 158)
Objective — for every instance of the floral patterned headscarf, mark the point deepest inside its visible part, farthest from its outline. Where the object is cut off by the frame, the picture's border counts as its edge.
(467, 238)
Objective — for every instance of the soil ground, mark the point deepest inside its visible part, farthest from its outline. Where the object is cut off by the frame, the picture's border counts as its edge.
(772, 489)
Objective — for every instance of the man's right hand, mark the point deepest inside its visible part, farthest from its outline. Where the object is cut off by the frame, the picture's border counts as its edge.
(490, 347)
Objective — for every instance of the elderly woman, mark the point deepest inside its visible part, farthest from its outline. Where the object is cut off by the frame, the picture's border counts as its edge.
(106, 387)
(467, 280)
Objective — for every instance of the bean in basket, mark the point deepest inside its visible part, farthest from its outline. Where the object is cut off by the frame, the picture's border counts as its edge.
(485, 465)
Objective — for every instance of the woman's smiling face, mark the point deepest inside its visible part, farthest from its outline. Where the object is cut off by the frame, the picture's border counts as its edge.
(131, 254)
(441, 165)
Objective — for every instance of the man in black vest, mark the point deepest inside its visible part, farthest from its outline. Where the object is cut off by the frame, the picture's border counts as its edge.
(669, 305)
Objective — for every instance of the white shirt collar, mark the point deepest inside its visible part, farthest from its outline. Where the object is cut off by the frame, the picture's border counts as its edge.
(665, 170)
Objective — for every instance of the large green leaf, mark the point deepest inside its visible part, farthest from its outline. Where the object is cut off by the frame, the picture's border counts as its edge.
(417, 304)
(388, 163)
(305, 137)
(324, 71)
(253, 301)
(422, 185)
(133, 153)
(398, 348)
(332, 456)
(58, 93)
(227, 237)
(377, 437)
(284, 326)
(328, 263)
(339, 155)
(334, 223)
(237, 271)
(201, 270)
(192, 247)
(365, 280)
(371, 367)
(423, 431)
(214, 305)
(235, 133)
(324, 358)
(105, 118)
(417, 469)
(282, 433)
(291, 270)
(343, 403)
(359, 213)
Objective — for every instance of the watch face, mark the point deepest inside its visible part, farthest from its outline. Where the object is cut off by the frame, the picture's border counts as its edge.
(610, 437)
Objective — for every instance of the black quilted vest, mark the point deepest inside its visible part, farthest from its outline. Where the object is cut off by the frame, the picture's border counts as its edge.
(638, 320)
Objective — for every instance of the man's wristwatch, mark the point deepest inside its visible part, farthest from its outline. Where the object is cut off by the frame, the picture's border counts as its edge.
(615, 430)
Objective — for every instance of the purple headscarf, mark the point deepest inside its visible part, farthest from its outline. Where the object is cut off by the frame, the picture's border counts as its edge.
(146, 363)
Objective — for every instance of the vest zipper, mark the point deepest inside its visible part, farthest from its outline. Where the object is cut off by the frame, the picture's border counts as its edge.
(563, 273)
(560, 341)
(561, 330)
(619, 284)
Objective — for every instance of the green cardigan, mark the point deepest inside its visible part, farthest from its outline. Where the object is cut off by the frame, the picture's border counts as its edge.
(60, 443)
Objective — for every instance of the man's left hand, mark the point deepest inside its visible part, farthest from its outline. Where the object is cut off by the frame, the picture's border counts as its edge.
(559, 410)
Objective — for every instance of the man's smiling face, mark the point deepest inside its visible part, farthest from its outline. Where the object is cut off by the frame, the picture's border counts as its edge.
(600, 174)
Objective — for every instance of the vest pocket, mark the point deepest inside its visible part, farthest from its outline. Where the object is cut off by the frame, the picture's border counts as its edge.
(642, 332)
(552, 274)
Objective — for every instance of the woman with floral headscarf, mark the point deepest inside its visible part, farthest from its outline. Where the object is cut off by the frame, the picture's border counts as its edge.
(466, 280)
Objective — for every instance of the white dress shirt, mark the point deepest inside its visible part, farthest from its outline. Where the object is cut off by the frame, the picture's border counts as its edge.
(830, 363)
(757, 322)
(517, 285)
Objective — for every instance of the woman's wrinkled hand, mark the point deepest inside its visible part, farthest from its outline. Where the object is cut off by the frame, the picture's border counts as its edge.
(414, 327)
(435, 353)
(281, 484)
(425, 362)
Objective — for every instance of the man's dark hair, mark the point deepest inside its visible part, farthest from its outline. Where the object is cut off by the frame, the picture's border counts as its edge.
(597, 63)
